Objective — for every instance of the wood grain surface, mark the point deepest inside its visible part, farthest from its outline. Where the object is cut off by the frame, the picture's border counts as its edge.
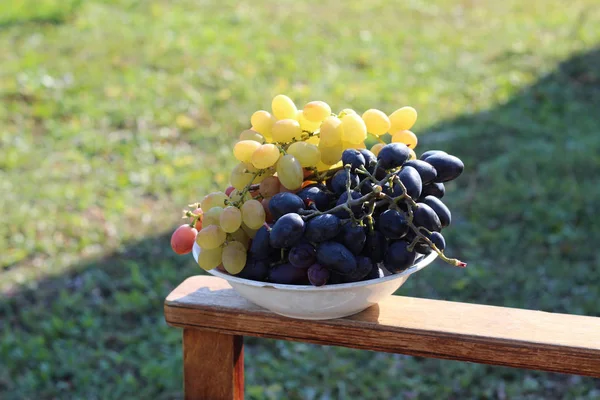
(420, 327)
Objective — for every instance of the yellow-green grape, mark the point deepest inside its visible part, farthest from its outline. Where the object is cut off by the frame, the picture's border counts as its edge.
(317, 111)
(249, 231)
(244, 149)
(321, 166)
(355, 130)
(234, 257)
(231, 219)
(413, 155)
(406, 137)
(305, 124)
(235, 196)
(210, 258)
(376, 121)
(265, 156)
(212, 216)
(250, 134)
(240, 176)
(242, 237)
(283, 107)
(377, 148)
(307, 154)
(331, 154)
(348, 145)
(331, 132)
(402, 119)
(290, 172)
(286, 130)
(313, 140)
(214, 199)
(253, 214)
(210, 237)
(347, 111)
(262, 121)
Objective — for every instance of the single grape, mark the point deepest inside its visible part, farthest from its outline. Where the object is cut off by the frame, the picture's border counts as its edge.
(347, 111)
(244, 149)
(377, 148)
(317, 111)
(210, 258)
(316, 194)
(255, 270)
(438, 240)
(398, 258)
(210, 237)
(350, 145)
(355, 130)
(364, 265)
(393, 155)
(376, 121)
(322, 228)
(370, 159)
(392, 224)
(425, 170)
(307, 154)
(242, 237)
(406, 137)
(336, 257)
(354, 158)
(234, 257)
(339, 180)
(283, 107)
(429, 153)
(262, 122)
(375, 273)
(265, 156)
(287, 274)
(236, 196)
(287, 231)
(412, 155)
(286, 130)
(285, 203)
(448, 167)
(182, 240)
(353, 237)
(318, 275)
(425, 217)
(440, 209)
(261, 247)
(229, 190)
(269, 186)
(375, 246)
(268, 216)
(313, 140)
(402, 119)
(253, 214)
(303, 255)
(330, 154)
(433, 189)
(214, 199)
(240, 177)
(290, 172)
(198, 225)
(307, 125)
(331, 132)
(213, 216)
(250, 134)
(412, 182)
(230, 219)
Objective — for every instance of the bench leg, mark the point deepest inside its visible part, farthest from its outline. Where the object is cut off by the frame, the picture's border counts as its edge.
(213, 365)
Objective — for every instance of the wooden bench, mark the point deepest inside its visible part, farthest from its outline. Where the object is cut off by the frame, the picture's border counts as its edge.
(215, 318)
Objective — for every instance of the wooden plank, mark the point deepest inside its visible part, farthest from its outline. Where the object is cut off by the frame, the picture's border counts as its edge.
(420, 327)
(213, 365)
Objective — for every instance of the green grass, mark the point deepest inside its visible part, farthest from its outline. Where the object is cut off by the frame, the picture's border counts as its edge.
(115, 114)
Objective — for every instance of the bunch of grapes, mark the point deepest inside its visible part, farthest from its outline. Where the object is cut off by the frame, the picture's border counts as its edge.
(309, 204)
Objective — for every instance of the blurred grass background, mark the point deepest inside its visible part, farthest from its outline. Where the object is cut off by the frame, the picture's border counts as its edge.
(114, 114)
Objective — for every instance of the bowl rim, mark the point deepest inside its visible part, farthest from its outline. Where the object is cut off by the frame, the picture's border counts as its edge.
(419, 265)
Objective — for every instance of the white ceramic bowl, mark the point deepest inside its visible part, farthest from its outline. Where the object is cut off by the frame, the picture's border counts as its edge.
(325, 302)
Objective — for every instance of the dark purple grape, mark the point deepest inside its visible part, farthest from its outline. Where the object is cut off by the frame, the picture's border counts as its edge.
(339, 180)
(429, 153)
(303, 255)
(370, 159)
(412, 182)
(448, 167)
(318, 194)
(256, 270)
(287, 231)
(440, 209)
(398, 258)
(353, 237)
(354, 158)
(393, 155)
(433, 189)
(336, 257)
(287, 274)
(375, 273)
(425, 217)
(437, 239)
(425, 170)
(380, 173)
(366, 188)
(364, 265)
(375, 246)
(322, 228)
(285, 203)
(421, 247)
(392, 224)
(261, 246)
(356, 210)
(318, 275)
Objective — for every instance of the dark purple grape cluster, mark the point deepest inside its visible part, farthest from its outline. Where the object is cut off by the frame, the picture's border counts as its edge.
(374, 215)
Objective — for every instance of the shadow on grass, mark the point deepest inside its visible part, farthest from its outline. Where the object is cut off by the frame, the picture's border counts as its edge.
(527, 225)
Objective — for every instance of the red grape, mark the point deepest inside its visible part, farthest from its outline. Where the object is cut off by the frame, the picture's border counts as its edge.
(183, 239)
(229, 190)
(197, 211)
